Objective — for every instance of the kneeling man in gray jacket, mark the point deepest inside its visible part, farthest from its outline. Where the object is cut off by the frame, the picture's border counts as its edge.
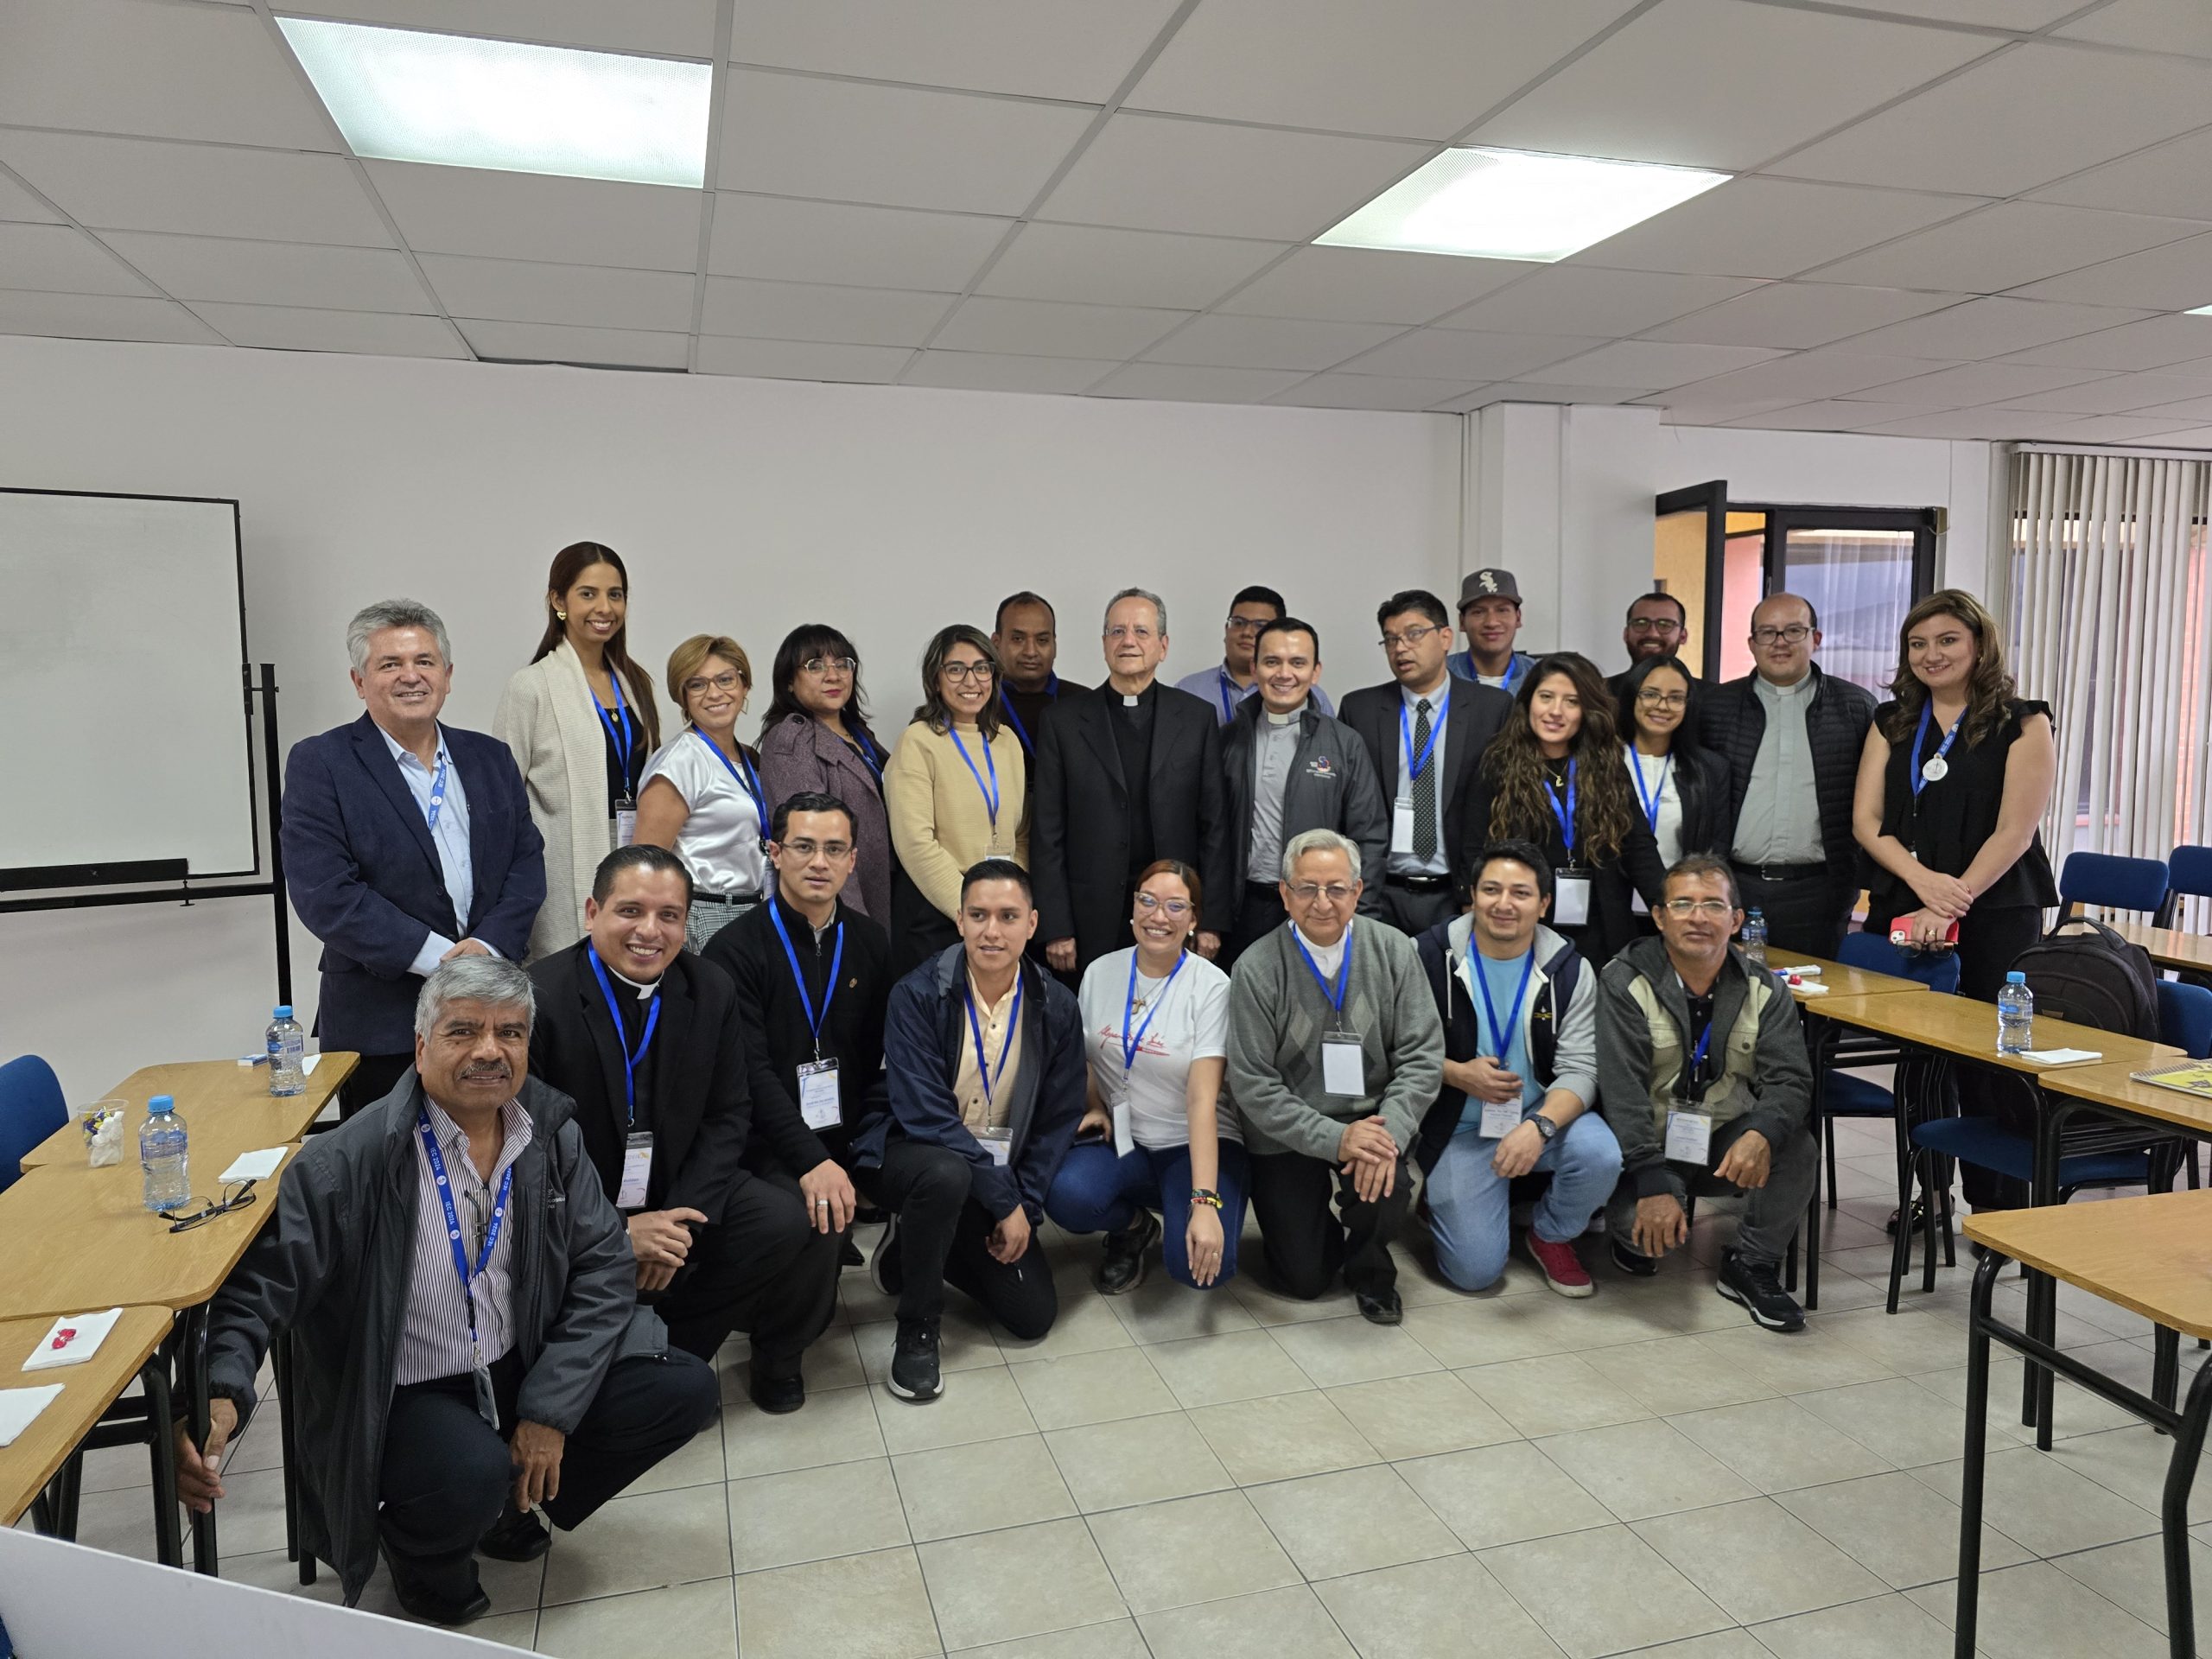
(462, 1297)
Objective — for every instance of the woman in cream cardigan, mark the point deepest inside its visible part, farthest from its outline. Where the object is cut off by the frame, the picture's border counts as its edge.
(580, 721)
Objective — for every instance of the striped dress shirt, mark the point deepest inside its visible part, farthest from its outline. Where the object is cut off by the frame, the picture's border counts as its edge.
(434, 1338)
(449, 834)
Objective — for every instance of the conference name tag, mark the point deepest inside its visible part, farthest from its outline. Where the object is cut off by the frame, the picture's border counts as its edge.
(820, 1106)
(999, 1143)
(1344, 1065)
(1125, 1135)
(1401, 827)
(1500, 1118)
(1570, 898)
(1689, 1137)
(1636, 905)
(625, 826)
(637, 1173)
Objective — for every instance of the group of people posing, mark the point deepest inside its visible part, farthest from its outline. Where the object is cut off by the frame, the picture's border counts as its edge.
(649, 1021)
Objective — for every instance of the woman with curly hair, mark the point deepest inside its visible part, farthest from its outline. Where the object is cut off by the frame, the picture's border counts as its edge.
(1554, 775)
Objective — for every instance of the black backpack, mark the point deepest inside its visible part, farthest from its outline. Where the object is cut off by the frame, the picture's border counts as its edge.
(2083, 971)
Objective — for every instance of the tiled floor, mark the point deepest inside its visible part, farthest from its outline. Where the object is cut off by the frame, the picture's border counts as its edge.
(1219, 1476)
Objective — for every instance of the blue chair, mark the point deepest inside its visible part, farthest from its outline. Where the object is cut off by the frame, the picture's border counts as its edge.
(31, 1109)
(2188, 875)
(2112, 883)
(2185, 1018)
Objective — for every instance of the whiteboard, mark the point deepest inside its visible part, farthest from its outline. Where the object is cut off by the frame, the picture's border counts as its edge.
(123, 733)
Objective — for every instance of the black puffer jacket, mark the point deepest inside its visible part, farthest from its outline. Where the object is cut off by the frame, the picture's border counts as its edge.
(1731, 721)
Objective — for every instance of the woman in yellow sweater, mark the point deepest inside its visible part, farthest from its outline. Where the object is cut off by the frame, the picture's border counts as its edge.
(955, 790)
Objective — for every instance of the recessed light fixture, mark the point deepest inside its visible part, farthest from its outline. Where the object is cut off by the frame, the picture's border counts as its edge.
(2199, 311)
(1516, 204)
(402, 95)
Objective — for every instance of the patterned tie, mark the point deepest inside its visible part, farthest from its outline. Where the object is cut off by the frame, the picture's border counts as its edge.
(1424, 788)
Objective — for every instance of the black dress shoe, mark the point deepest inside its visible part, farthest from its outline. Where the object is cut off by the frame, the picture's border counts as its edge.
(849, 1255)
(776, 1394)
(1383, 1309)
(432, 1607)
(1121, 1270)
(516, 1536)
(1634, 1261)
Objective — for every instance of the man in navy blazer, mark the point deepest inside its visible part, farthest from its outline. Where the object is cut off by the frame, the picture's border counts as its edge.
(406, 843)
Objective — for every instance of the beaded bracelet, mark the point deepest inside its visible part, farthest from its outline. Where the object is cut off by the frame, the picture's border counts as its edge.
(1205, 1195)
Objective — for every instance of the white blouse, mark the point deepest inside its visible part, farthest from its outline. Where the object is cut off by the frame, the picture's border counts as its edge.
(721, 839)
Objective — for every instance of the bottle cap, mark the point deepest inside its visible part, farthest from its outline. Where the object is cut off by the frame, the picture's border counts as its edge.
(2016, 978)
(284, 1011)
(160, 1105)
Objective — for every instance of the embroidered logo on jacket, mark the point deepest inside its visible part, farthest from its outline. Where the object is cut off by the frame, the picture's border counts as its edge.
(1319, 766)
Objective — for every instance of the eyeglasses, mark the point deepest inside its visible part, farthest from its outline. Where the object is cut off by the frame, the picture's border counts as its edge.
(1706, 908)
(805, 850)
(960, 673)
(1654, 625)
(1246, 624)
(1410, 637)
(1306, 892)
(1137, 631)
(237, 1195)
(1788, 636)
(726, 681)
(1648, 698)
(825, 664)
(1176, 908)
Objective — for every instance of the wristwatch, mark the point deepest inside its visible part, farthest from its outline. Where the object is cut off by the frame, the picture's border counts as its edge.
(1545, 1127)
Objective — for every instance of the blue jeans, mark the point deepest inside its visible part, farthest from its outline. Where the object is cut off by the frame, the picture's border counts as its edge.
(1095, 1192)
(1470, 1203)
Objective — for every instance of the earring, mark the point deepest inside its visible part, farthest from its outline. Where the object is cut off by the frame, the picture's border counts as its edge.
(562, 615)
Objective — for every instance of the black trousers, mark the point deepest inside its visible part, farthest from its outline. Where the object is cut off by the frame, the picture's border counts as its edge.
(1259, 912)
(943, 1235)
(371, 1080)
(1988, 941)
(762, 1270)
(1305, 1245)
(1809, 914)
(447, 1474)
(918, 929)
(1412, 912)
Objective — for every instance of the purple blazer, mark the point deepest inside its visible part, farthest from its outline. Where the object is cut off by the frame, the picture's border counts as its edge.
(799, 753)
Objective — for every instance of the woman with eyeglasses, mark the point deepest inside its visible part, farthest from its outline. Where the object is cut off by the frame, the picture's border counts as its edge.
(1159, 1133)
(580, 721)
(815, 739)
(702, 796)
(1554, 776)
(956, 789)
(1681, 787)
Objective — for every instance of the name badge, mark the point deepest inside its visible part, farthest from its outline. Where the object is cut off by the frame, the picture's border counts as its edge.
(1402, 826)
(1500, 1118)
(625, 828)
(487, 1403)
(637, 1173)
(999, 1143)
(820, 1105)
(1689, 1137)
(1636, 905)
(1570, 898)
(1344, 1065)
(1125, 1136)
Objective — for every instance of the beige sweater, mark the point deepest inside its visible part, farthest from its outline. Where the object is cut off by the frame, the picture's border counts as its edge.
(939, 821)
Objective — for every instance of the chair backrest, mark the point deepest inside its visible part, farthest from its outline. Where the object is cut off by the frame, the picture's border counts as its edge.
(31, 1109)
(2185, 1018)
(2189, 874)
(2115, 883)
(1937, 970)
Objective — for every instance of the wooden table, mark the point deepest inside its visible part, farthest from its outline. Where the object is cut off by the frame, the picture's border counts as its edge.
(215, 1098)
(88, 1390)
(1841, 979)
(1962, 1026)
(2168, 948)
(2150, 1255)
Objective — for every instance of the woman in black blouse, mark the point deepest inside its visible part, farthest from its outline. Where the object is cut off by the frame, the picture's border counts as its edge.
(1681, 787)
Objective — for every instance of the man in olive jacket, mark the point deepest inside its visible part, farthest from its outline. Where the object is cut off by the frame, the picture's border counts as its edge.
(432, 1420)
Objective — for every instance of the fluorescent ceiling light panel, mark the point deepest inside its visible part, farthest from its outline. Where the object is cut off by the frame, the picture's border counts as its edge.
(2198, 311)
(1516, 204)
(400, 95)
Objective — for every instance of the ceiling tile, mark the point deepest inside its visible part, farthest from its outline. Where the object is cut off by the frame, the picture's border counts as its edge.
(1973, 383)
(1523, 391)
(275, 273)
(85, 316)
(857, 316)
(2025, 15)
(2176, 278)
(1626, 97)
(2152, 25)
(1801, 314)
(1372, 392)
(1179, 382)
(1003, 371)
(1410, 69)
(588, 297)
(1991, 130)
(2196, 437)
(783, 240)
(797, 360)
(897, 146)
(1807, 376)
(1997, 425)
(1372, 285)
(1648, 363)
(1674, 412)
(17, 203)
(530, 216)
(2124, 394)
(1269, 342)
(2172, 178)
(297, 328)
(680, 28)
(2008, 244)
(1044, 328)
(546, 342)
(1578, 300)
(2155, 343)
(2197, 408)
(1040, 48)
(138, 184)
(62, 260)
(1988, 328)
(157, 71)
(1096, 266)
(1837, 416)
(1465, 355)
(2121, 428)
(1154, 172)
(1770, 227)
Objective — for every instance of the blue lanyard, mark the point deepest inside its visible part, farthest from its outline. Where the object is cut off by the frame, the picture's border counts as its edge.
(1514, 665)
(748, 780)
(1565, 815)
(814, 1021)
(438, 790)
(1020, 731)
(468, 1277)
(865, 750)
(1131, 1045)
(630, 1062)
(620, 738)
(1501, 1035)
(1230, 693)
(991, 792)
(1336, 993)
(1416, 765)
(975, 1025)
(1919, 781)
(1652, 799)
(1697, 1060)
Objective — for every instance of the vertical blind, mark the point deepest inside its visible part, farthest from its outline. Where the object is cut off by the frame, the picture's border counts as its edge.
(2106, 607)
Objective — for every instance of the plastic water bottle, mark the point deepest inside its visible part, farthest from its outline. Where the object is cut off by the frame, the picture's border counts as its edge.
(288, 1049)
(1755, 939)
(2016, 1015)
(161, 1155)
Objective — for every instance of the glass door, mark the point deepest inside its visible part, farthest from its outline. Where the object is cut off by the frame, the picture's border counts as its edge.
(1689, 558)
(1862, 569)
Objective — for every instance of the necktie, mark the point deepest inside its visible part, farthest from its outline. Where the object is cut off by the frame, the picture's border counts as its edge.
(1424, 788)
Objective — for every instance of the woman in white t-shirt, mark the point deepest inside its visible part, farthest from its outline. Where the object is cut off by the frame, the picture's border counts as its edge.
(702, 796)
(1158, 1134)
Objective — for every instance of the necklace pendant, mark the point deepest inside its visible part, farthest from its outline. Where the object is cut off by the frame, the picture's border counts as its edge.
(1936, 770)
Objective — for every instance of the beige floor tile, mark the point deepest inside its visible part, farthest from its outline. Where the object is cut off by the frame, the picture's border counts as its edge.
(855, 1607)
(1720, 1644)
(1905, 1423)
(1484, 1331)
(516, 1631)
(1236, 1365)
(1085, 1324)
(1119, 1639)
(1798, 1363)
(1552, 1393)
(1777, 1445)
(2044, 1503)
(1883, 1627)
(1282, 1437)
(1421, 1415)
(1676, 1374)
(696, 1620)
(982, 1404)
(1439, 1606)
(1757, 1561)
(1112, 1465)
(832, 1361)
(1351, 1522)
(2036, 1612)
(1841, 1291)
(1275, 1624)
(1270, 1306)
(964, 1489)
(1190, 1549)
(1100, 1387)
(1335, 1352)
(2132, 1462)
(1502, 1494)
(1640, 1470)
(1159, 1310)
(636, 1543)
(1908, 1341)
(2133, 1574)
(1603, 1591)
(965, 1344)
(697, 1463)
(2073, 1411)
(1898, 1528)
(999, 1586)
(809, 1515)
(836, 1426)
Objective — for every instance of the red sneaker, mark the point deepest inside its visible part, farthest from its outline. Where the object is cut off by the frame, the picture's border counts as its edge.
(1562, 1269)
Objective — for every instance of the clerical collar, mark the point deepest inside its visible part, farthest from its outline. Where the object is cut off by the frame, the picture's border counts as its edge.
(1290, 719)
(644, 987)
